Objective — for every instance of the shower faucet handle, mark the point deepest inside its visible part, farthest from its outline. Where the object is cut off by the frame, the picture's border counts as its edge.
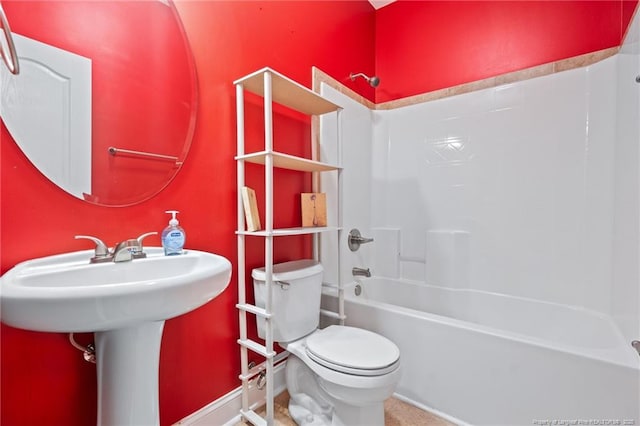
(355, 239)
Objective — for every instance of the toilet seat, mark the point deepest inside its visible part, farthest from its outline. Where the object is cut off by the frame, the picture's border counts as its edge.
(353, 351)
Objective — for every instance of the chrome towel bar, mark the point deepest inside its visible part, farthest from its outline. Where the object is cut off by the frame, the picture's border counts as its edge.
(114, 151)
(10, 59)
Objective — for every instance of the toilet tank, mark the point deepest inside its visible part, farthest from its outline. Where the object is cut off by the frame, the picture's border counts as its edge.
(295, 309)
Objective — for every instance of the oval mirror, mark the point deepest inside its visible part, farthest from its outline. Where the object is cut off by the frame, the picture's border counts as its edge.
(105, 102)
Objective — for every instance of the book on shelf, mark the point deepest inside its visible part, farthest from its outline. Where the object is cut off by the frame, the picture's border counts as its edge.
(250, 209)
(314, 209)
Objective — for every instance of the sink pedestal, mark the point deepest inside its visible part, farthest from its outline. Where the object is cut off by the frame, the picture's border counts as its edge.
(127, 362)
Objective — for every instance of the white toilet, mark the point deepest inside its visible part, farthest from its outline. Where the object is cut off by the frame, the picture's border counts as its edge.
(335, 376)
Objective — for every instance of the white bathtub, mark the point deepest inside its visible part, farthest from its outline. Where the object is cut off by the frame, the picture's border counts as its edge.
(491, 359)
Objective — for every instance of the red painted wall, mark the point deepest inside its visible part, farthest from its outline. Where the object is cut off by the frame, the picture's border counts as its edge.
(44, 381)
(423, 46)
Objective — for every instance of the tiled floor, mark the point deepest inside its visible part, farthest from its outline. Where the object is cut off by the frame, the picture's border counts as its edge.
(396, 413)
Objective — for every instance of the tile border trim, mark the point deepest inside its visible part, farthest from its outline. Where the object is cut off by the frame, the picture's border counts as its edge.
(579, 61)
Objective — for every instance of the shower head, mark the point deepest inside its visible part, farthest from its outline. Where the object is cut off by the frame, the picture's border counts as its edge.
(373, 81)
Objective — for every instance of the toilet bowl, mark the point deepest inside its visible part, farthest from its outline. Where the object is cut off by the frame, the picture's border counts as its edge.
(335, 376)
(341, 376)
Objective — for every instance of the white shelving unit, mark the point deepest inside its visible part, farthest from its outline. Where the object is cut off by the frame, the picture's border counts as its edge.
(275, 87)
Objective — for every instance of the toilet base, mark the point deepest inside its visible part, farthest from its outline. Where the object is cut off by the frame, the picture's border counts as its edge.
(301, 411)
(311, 405)
(370, 415)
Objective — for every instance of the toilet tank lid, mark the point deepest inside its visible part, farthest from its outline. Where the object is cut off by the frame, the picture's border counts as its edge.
(292, 270)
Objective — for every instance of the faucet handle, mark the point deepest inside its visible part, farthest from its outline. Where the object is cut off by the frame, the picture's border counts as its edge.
(355, 239)
(138, 251)
(101, 250)
(143, 236)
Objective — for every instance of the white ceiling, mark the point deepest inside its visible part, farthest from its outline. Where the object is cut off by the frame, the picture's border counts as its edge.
(380, 3)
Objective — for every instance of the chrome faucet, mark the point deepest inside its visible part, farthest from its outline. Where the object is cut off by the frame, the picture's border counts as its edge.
(124, 251)
(361, 272)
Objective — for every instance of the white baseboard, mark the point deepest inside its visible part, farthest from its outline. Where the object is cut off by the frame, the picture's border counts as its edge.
(225, 410)
(438, 413)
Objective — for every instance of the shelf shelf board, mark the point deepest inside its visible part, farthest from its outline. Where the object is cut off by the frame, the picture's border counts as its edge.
(261, 312)
(286, 161)
(287, 92)
(256, 347)
(253, 418)
(284, 232)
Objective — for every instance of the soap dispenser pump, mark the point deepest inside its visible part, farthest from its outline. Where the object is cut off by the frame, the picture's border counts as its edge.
(173, 236)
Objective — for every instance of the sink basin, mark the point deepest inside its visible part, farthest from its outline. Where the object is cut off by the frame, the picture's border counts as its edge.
(64, 293)
(125, 304)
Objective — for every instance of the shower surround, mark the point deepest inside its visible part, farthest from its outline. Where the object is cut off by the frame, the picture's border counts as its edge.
(528, 190)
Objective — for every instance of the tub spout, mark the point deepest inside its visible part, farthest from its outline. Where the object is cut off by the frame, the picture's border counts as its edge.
(361, 272)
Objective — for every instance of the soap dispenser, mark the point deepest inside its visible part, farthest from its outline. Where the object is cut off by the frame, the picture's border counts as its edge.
(173, 236)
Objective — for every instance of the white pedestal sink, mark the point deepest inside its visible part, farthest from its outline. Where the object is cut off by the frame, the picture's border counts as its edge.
(125, 304)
